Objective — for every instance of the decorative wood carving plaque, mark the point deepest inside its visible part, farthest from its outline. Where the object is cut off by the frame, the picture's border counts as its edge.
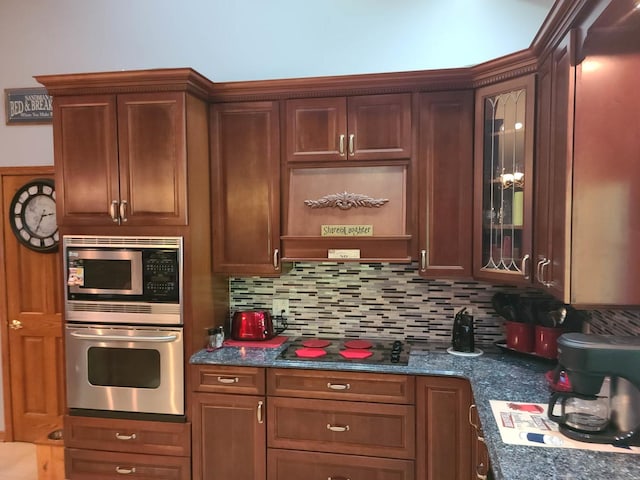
(345, 201)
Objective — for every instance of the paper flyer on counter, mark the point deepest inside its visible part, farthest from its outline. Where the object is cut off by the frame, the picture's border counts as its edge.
(523, 423)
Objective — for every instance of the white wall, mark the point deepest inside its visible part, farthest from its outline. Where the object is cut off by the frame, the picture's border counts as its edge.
(236, 40)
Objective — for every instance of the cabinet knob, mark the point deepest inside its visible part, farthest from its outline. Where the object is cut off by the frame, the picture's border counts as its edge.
(15, 325)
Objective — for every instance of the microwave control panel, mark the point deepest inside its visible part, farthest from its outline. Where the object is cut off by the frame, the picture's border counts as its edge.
(161, 274)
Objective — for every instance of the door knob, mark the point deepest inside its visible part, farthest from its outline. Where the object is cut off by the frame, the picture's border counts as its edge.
(15, 325)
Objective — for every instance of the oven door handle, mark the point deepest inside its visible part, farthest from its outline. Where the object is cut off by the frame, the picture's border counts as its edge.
(124, 338)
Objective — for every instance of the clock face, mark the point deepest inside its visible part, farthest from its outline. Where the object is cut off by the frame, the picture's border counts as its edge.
(33, 215)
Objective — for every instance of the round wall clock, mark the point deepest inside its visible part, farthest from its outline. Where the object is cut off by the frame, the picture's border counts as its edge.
(33, 215)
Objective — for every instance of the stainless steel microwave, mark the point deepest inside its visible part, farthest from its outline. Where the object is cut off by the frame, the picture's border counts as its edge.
(134, 280)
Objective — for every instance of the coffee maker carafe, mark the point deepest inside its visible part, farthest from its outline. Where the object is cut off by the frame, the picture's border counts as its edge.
(604, 406)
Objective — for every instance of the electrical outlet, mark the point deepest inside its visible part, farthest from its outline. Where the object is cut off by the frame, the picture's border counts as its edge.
(280, 307)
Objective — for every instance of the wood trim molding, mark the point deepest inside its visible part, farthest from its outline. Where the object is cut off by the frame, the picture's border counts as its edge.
(365, 84)
(157, 80)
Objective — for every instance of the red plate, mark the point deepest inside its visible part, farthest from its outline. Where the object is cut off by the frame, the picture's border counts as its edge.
(358, 344)
(310, 352)
(356, 353)
(316, 343)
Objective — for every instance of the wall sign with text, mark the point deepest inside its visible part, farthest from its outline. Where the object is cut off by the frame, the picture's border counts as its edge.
(27, 106)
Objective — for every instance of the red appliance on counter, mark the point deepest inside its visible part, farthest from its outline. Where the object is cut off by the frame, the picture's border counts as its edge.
(253, 325)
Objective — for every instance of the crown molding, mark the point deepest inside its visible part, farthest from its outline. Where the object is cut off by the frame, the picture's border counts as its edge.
(155, 80)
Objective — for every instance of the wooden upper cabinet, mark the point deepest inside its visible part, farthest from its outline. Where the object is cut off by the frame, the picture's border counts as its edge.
(367, 127)
(121, 159)
(503, 181)
(152, 158)
(554, 163)
(605, 224)
(245, 154)
(86, 157)
(445, 165)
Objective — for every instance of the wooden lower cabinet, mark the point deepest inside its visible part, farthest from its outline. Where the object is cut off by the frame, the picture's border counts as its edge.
(295, 465)
(444, 433)
(284, 424)
(230, 441)
(358, 428)
(229, 417)
(92, 464)
(111, 448)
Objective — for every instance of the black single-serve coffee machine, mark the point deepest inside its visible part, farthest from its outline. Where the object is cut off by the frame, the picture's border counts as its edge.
(604, 404)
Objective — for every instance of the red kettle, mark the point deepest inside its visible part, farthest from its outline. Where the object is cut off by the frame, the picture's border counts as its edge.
(252, 325)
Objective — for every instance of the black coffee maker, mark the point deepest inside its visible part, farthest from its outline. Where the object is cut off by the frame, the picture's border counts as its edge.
(462, 335)
(604, 404)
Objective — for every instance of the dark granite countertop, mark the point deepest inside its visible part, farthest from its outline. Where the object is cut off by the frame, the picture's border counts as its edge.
(493, 376)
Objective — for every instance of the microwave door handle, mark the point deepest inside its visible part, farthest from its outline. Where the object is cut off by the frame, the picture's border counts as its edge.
(124, 338)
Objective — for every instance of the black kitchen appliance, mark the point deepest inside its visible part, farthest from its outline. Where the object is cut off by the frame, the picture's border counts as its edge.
(373, 351)
(604, 404)
(462, 336)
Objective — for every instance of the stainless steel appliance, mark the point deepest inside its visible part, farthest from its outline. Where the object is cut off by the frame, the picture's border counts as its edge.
(136, 280)
(604, 403)
(123, 333)
(374, 351)
(119, 370)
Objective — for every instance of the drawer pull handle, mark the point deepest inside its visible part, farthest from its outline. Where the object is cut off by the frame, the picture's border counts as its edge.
(339, 386)
(259, 413)
(126, 471)
(120, 436)
(112, 211)
(473, 407)
(338, 428)
(338, 478)
(228, 380)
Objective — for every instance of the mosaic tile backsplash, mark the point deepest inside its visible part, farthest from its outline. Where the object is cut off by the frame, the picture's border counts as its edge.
(389, 300)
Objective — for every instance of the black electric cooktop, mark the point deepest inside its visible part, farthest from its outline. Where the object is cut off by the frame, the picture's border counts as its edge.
(348, 350)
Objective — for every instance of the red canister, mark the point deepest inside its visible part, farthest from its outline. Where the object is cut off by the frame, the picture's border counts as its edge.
(520, 336)
(546, 341)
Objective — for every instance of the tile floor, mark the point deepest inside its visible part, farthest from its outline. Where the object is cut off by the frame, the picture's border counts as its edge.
(18, 461)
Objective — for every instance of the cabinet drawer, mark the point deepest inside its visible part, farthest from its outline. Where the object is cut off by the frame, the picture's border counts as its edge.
(291, 465)
(132, 436)
(358, 428)
(228, 379)
(364, 387)
(92, 464)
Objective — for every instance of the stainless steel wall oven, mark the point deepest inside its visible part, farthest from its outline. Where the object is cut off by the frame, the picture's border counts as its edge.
(124, 329)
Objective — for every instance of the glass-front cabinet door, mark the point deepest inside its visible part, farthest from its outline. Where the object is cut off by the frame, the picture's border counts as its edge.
(504, 136)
